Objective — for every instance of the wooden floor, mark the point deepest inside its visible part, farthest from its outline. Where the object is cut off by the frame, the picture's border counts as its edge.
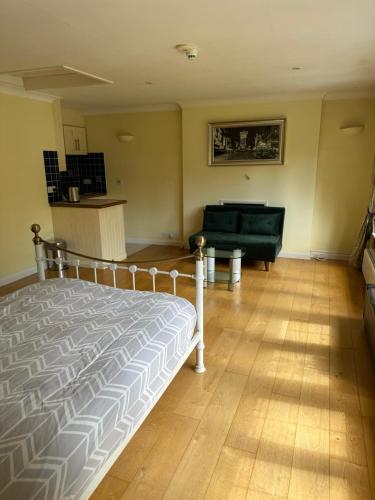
(286, 408)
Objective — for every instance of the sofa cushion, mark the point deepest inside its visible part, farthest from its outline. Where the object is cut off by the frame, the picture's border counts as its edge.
(266, 224)
(226, 222)
(257, 246)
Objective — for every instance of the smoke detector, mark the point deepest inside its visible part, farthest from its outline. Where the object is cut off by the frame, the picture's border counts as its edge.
(191, 51)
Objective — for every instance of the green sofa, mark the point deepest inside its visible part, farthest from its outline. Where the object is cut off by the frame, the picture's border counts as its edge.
(257, 229)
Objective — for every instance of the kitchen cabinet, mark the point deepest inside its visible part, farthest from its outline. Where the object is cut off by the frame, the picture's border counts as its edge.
(93, 227)
(75, 140)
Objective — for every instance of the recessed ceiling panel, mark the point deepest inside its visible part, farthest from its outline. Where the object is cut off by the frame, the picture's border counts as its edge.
(247, 48)
(55, 77)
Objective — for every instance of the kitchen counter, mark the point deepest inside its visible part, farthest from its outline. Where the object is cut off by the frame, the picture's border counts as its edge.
(89, 203)
(95, 227)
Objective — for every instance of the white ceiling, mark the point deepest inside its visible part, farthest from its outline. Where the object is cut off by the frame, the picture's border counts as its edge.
(247, 47)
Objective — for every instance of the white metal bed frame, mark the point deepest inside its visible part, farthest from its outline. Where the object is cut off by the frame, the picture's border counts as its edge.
(197, 341)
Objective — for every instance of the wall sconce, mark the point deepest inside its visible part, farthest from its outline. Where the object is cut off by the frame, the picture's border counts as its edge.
(352, 130)
(125, 137)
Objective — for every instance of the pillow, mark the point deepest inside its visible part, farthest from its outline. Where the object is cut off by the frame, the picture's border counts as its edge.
(268, 224)
(221, 222)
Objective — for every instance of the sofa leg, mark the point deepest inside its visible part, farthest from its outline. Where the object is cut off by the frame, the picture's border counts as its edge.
(267, 265)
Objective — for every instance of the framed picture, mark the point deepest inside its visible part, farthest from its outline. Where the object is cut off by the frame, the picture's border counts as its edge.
(246, 143)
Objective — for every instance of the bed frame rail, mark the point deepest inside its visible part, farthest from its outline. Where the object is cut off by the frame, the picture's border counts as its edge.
(132, 268)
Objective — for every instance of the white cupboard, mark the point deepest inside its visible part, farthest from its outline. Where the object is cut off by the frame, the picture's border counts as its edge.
(75, 140)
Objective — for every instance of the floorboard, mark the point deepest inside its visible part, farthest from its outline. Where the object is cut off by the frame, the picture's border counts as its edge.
(286, 408)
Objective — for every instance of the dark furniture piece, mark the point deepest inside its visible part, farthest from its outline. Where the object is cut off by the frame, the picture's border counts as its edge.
(254, 228)
(369, 316)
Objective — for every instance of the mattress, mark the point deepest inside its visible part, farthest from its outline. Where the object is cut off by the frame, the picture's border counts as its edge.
(80, 365)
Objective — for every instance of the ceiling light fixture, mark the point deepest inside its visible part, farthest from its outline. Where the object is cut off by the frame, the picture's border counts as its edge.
(352, 130)
(191, 51)
(125, 137)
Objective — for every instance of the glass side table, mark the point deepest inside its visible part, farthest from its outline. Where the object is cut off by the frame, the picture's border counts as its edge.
(232, 276)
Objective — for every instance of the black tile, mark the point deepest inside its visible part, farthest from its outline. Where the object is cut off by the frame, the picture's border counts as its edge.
(78, 167)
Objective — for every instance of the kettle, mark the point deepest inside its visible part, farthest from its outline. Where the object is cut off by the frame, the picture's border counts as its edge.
(73, 193)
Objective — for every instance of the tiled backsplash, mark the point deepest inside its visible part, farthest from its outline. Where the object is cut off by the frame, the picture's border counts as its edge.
(85, 171)
(51, 167)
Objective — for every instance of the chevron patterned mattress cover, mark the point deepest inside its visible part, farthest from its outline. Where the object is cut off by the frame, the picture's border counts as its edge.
(80, 365)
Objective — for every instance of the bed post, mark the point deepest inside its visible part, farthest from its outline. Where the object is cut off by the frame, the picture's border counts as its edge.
(38, 244)
(199, 281)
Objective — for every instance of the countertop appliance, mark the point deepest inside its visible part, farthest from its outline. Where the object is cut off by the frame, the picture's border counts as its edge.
(73, 193)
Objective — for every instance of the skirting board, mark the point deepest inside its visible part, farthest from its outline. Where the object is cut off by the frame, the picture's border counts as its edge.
(330, 256)
(11, 278)
(295, 255)
(140, 241)
(315, 255)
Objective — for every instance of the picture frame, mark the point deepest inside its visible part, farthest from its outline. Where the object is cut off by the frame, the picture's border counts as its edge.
(258, 142)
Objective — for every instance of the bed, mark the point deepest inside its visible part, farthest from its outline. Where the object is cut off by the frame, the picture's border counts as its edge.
(82, 365)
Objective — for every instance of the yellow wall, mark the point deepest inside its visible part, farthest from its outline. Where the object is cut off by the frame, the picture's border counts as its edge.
(291, 185)
(26, 129)
(343, 175)
(59, 134)
(146, 172)
(324, 183)
(72, 117)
